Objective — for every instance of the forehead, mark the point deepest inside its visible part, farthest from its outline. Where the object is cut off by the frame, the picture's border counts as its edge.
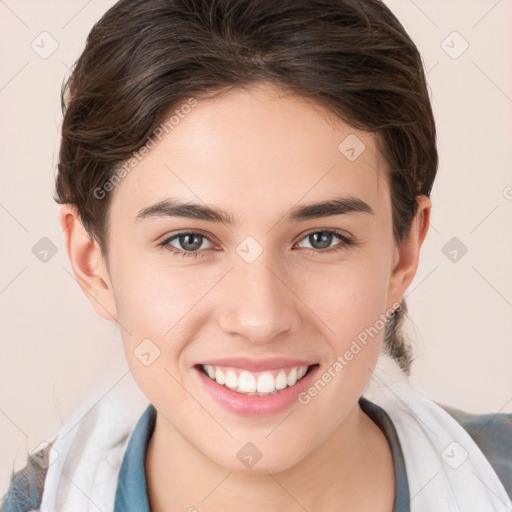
(255, 148)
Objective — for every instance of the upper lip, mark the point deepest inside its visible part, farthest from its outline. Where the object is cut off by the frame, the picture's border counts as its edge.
(251, 364)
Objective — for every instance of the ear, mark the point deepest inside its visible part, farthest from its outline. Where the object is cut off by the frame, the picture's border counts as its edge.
(88, 263)
(407, 255)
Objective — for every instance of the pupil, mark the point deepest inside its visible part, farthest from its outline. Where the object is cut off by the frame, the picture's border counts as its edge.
(325, 239)
(187, 244)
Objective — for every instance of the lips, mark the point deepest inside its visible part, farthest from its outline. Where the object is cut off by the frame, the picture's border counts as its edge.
(252, 387)
(257, 365)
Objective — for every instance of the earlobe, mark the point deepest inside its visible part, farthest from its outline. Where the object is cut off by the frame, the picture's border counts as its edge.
(409, 251)
(88, 263)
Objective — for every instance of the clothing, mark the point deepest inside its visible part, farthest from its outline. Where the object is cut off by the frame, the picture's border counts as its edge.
(124, 443)
(131, 493)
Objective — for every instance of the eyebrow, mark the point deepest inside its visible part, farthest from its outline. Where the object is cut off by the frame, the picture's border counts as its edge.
(174, 208)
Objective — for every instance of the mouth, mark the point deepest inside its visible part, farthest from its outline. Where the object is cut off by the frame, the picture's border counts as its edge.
(261, 383)
(254, 393)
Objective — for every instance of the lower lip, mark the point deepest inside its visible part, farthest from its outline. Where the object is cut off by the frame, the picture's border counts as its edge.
(253, 405)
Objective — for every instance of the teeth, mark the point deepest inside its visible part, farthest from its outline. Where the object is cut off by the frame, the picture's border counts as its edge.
(219, 376)
(246, 383)
(292, 377)
(231, 379)
(266, 383)
(281, 380)
(261, 384)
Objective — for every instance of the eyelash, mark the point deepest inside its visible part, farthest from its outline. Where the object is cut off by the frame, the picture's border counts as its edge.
(338, 247)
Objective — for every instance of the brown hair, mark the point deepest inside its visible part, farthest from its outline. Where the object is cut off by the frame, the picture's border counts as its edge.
(145, 57)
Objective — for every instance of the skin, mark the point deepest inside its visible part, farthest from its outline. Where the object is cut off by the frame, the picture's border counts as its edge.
(255, 153)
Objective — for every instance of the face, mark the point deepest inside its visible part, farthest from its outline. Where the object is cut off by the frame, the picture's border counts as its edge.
(263, 285)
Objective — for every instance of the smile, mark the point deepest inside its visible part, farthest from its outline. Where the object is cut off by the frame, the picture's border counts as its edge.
(257, 389)
(255, 383)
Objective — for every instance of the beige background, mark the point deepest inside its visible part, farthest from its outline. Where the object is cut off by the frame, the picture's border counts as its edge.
(55, 348)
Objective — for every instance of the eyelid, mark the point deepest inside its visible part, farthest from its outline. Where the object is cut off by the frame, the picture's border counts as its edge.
(346, 240)
(194, 231)
(336, 231)
(165, 241)
(209, 237)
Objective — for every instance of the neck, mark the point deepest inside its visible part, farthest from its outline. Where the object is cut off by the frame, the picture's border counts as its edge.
(337, 474)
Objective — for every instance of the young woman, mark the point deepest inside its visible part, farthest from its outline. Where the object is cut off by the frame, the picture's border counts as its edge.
(245, 191)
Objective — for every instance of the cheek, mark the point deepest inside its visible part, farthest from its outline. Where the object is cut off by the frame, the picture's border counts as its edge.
(347, 297)
(154, 311)
(160, 302)
(151, 295)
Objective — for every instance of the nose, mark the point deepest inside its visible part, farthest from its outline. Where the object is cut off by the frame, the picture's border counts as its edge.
(258, 303)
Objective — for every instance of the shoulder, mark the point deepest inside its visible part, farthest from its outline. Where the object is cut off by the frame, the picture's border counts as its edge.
(26, 485)
(493, 434)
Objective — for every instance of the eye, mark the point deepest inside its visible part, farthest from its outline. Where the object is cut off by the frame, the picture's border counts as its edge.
(189, 243)
(320, 240)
